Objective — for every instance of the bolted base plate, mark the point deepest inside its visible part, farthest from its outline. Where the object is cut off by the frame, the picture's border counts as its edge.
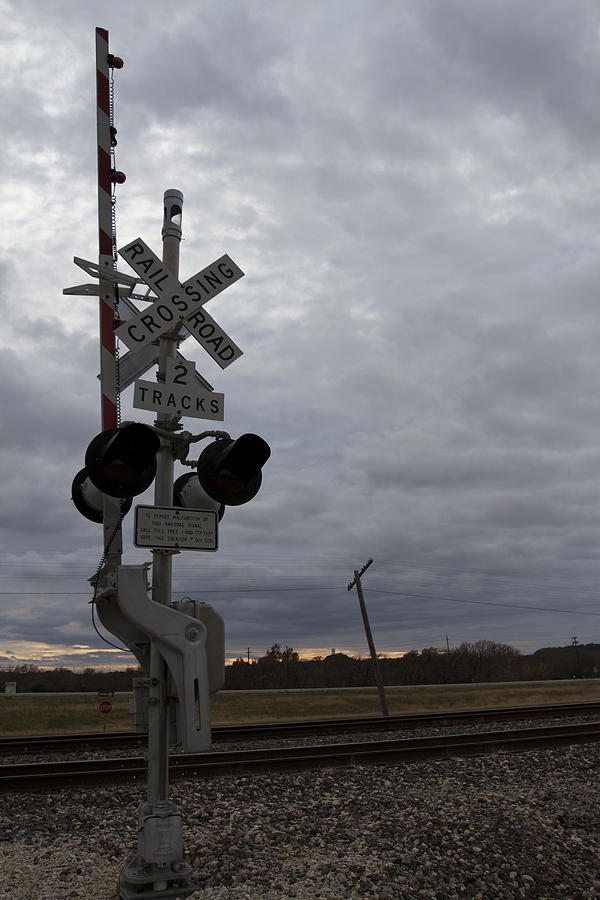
(137, 882)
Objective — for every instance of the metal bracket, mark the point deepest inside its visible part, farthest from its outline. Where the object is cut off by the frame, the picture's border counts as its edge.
(114, 621)
(181, 641)
(93, 269)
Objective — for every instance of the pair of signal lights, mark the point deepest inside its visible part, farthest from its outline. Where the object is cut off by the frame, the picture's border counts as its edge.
(121, 463)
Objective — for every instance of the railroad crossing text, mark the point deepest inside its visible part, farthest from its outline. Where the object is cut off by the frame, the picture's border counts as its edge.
(180, 303)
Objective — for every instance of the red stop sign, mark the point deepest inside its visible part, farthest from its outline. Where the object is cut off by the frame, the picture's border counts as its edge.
(105, 706)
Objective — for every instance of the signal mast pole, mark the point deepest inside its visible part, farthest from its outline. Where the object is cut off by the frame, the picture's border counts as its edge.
(162, 560)
(159, 816)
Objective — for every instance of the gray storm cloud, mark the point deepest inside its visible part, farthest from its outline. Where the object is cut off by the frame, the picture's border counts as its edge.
(412, 193)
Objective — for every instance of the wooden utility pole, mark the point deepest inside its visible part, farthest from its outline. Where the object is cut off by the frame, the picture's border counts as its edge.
(373, 652)
(575, 643)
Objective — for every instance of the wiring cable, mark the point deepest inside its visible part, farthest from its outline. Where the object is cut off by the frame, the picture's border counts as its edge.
(95, 578)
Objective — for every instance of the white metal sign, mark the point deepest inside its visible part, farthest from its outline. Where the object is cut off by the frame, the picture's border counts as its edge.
(135, 362)
(180, 303)
(179, 395)
(176, 529)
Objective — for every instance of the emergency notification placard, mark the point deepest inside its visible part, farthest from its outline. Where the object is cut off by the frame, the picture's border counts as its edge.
(176, 529)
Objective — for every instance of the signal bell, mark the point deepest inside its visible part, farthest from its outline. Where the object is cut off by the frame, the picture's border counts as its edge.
(230, 471)
(121, 462)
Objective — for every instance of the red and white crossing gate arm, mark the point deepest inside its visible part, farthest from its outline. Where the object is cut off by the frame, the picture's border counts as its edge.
(106, 236)
(109, 387)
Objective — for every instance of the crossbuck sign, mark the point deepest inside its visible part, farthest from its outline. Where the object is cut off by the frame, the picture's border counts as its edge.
(179, 303)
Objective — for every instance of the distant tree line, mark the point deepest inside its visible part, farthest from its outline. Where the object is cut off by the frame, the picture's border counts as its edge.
(33, 679)
(479, 661)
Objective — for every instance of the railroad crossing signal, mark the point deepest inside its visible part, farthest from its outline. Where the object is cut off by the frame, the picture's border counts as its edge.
(179, 303)
(121, 462)
(230, 471)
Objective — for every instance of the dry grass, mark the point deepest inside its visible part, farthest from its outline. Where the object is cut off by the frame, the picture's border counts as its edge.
(61, 713)
(231, 707)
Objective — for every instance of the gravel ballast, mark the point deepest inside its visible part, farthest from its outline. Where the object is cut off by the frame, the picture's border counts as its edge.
(497, 826)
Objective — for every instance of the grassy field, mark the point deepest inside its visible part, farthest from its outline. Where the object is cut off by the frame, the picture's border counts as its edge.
(56, 713)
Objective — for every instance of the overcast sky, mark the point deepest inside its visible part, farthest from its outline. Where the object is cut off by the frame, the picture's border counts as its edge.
(413, 191)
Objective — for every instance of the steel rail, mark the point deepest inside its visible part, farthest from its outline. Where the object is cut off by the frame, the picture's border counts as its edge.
(79, 773)
(61, 742)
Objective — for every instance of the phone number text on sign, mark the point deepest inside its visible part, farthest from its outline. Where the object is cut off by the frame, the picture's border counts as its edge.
(175, 529)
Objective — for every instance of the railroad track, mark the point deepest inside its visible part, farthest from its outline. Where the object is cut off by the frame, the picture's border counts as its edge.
(31, 744)
(83, 773)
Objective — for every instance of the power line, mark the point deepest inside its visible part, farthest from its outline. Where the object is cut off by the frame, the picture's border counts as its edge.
(240, 590)
(305, 589)
(486, 603)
